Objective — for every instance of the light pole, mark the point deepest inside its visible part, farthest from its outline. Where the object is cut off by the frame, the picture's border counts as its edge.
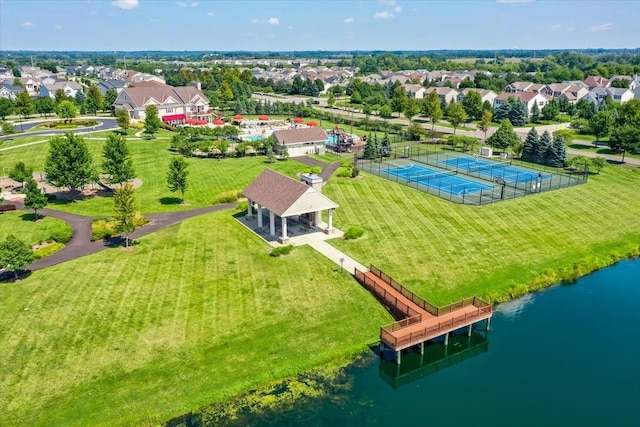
(341, 264)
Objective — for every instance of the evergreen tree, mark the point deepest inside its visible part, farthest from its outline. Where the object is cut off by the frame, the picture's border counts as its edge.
(369, 149)
(504, 111)
(69, 162)
(535, 113)
(124, 210)
(15, 254)
(152, 122)
(34, 197)
(504, 137)
(518, 114)
(556, 155)
(117, 163)
(543, 147)
(177, 176)
(530, 146)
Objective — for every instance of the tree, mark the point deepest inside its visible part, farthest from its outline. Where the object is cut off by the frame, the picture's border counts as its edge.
(625, 138)
(600, 124)
(34, 197)
(504, 110)
(411, 109)
(504, 137)
(284, 153)
(15, 255)
(177, 176)
(599, 163)
(628, 113)
(23, 105)
(585, 109)
(116, 160)
(94, 101)
(7, 128)
(519, 113)
(530, 146)
(270, 157)
(331, 100)
(45, 106)
(109, 98)
(122, 117)
(556, 155)
(416, 131)
(472, 104)
(6, 107)
(551, 111)
(67, 110)
(60, 96)
(385, 112)
(485, 122)
(124, 210)
(152, 122)
(79, 98)
(456, 115)
(543, 147)
(20, 173)
(431, 108)
(69, 162)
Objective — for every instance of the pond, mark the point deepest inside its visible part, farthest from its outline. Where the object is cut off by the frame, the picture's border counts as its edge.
(568, 356)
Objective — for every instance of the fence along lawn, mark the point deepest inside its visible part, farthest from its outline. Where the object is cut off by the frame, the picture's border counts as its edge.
(445, 252)
(197, 313)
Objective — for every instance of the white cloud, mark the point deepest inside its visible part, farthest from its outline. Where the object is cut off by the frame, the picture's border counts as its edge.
(255, 21)
(556, 27)
(182, 4)
(125, 4)
(274, 21)
(600, 27)
(515, 1)
(211, 14)
(27, 24)
(388, 2)
(194, 4)
(348, 21)
(58, 27)
(383, 15)
(397, 10)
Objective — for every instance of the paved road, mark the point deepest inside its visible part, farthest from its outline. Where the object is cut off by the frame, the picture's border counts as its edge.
(105, 123)
(81, 244)
(613, 158)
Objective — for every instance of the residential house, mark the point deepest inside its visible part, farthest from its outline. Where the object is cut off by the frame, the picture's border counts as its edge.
(571, 91)
(529, 98)
(70, 88)
(621, 95)
(516, 87)
(118, 85)
(6, 73)
(593, 82)
(415, 91)
(301, 141)
(8, 90)
(31, 85)
(444, 93)
(175, 104)
(485, 94)
(133, 77)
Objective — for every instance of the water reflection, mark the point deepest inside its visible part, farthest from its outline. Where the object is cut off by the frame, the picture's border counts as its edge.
(512, 309)
(436, 356)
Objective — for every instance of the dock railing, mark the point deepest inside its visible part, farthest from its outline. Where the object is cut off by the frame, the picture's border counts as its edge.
(384, 295)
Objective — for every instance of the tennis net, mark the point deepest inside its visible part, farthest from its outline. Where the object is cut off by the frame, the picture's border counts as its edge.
(484, 167)
(427, 176)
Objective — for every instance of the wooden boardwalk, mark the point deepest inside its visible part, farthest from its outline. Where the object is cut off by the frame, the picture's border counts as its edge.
(420, 320)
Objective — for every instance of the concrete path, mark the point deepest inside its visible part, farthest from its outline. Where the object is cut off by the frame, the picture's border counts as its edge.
(104, 123)
(337, 256)
(612, 158)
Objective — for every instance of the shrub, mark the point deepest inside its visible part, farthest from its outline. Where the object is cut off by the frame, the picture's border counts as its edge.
(316, 170)
(355, 172)
(343, 172)
(101, 229)
(168, 127)
(7, 207)
(346, 164)
(48, 250)
(62, 235)
(242, 206)
(353, 233)
(137, 125)
(227, 197)
(281, 250)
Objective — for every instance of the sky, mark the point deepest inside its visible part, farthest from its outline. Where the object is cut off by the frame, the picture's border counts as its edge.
(338, 25)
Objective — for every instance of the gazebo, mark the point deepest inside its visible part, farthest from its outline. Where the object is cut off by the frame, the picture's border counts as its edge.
(287, 198)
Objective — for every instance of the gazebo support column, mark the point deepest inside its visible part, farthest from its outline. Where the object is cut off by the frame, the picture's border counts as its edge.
(329, 228)
(284, 238)
(249, 209)
(259, 215)
(272, 224)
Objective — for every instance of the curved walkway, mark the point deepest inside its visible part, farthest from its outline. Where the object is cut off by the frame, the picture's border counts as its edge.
(81, 244)
(327, 168)
(105, 123)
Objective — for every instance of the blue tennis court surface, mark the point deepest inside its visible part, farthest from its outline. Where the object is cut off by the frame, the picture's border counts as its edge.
(492, 170)
(447, 182)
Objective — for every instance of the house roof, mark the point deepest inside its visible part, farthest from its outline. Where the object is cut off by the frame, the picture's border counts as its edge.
(522, 96)
(61, 85)
(140, 93)
(596, 81)
(10, 87)
(298, 135)
(285, 196)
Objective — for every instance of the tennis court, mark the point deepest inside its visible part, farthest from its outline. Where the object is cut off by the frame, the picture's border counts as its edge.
(448, 182)
(492, 170)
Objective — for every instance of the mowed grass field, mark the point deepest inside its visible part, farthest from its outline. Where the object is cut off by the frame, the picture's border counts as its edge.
(199, 312)
(19, 224)
(207, 177)
(446, 252)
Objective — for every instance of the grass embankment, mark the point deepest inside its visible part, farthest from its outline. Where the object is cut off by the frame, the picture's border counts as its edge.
(199, 312)
(446, 252)
(21, 225)
(207, 179)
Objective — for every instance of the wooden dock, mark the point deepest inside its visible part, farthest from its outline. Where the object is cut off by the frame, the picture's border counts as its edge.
(419, 321)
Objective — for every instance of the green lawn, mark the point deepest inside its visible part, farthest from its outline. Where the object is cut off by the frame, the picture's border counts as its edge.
(329, 157)
(603, 149)
(207, 177)
(20, 224)
(197, 313)
(446, 252)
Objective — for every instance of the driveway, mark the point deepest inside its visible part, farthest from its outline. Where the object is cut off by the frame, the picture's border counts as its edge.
(104, 123)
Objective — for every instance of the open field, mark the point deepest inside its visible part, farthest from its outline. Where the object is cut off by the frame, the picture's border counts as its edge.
(19, 224)
(446, 252)
(207, 177)
(197, 313)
